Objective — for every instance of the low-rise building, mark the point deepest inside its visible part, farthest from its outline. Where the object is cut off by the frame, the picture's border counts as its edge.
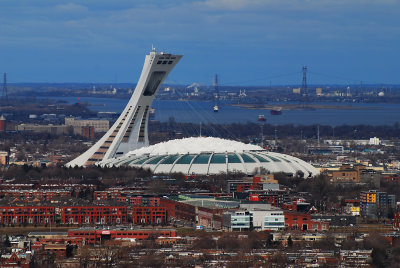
(199, 210)
(94, 214)
(32, 215)
(4, 159)
(268, 219)
(254, 216)
(239, 220)
(17, 259)
(98, 125)
(39, 193)
(149, 215)
(376, 204)
(303, 221)
(100, 236)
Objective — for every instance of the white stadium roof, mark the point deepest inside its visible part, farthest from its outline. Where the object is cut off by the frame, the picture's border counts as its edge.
(210, 156)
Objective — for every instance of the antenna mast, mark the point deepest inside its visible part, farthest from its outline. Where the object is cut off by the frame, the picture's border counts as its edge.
(304, 83)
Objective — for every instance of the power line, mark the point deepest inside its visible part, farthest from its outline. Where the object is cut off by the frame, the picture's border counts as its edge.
(261, 79)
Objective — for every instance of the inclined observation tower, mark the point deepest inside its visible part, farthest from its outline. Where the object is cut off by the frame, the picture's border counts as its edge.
(130, 131)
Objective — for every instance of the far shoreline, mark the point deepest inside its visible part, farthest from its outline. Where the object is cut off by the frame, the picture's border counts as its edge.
(302, 107)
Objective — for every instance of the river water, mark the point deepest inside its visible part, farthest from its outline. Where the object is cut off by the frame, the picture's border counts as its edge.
(196, 112)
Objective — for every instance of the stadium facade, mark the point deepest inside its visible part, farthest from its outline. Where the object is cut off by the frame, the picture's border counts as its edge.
(198, 155)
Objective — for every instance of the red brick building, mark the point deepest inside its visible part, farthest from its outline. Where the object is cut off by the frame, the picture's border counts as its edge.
(275, 198)
(396, 223)
(129, 197)
(16, 260)
(149, 215)
(40, 194)
(20, 186)
(78, 241)
(210, 217)
(93, 236)
(303, 221)
(244, 186)
(297, 205)
(94, 214)
(39, 214)
(179, 210)
(88, 132)
(394, 178)
(106, 195)
(139, 200)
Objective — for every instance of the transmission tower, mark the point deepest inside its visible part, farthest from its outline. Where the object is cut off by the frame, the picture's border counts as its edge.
(304, 83)
(216, 86)
(5, 93)
(216, 107)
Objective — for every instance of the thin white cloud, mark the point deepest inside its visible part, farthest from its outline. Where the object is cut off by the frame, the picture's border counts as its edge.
(71, 8)
(315, 5)
(232, 4)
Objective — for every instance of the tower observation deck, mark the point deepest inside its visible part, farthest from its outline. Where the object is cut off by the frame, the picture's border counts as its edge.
(130, 131)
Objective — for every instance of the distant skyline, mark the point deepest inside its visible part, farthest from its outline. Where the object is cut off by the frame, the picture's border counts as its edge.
(246, 42)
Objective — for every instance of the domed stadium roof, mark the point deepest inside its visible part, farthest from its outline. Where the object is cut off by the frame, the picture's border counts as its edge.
(210, 156)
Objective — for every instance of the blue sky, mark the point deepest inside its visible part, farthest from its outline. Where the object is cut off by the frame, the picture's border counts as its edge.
(247, 42)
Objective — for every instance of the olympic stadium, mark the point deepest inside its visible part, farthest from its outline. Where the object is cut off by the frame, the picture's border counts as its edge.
(208, 155)
(126, 143)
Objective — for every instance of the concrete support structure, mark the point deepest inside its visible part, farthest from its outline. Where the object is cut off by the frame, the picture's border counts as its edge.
(130, 131)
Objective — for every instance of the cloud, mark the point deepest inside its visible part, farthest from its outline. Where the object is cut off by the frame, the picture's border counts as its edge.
(71, 8)
(232, 4)
(213, 29)
(314, 5)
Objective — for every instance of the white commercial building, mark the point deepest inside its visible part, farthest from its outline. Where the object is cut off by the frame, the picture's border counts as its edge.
(254, 216)
(98, 125)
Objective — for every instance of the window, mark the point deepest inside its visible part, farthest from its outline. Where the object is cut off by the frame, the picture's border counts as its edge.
(247, 159)
(202, 159)
(233, 158)
(153, 83)
(218, 159)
